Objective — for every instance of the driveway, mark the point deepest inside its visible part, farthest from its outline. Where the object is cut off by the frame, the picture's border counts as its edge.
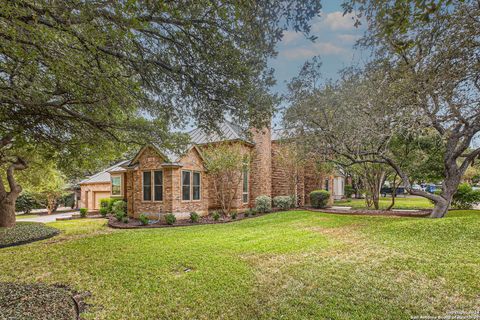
(48, 218)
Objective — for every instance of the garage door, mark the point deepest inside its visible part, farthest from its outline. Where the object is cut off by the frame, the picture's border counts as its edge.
(98, 195)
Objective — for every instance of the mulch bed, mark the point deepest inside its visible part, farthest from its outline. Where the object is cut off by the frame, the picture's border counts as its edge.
(135, 224)
(399, 213)
(25, 232)
(39, 301)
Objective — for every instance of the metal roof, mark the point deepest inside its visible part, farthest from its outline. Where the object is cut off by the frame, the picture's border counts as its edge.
(227, 131)
(104, 176)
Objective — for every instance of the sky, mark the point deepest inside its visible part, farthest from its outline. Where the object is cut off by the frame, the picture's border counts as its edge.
(335, 45)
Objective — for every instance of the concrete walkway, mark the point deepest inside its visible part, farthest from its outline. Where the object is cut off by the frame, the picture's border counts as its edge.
(48, 218)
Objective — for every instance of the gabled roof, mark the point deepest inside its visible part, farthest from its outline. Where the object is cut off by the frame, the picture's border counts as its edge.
(104, 176)
(227, 132)
(169, 157)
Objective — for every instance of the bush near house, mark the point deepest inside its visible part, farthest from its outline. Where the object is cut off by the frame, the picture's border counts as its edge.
(108, 203)
(194, 217)
(284, 202)
(170, 218)
(215, 215)
(263, 204)
(83, 212)
(103, 211)
(319, 198)
(119, 210)
(143, 219)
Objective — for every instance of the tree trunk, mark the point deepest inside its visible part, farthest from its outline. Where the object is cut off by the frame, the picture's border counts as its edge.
(440, 209)
(7, 211)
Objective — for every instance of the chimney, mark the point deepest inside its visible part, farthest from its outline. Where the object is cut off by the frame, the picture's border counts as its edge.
(261, 164)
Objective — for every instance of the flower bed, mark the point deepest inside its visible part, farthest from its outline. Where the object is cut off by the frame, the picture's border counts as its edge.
(25, 232)
(38, 301)
(134, 223)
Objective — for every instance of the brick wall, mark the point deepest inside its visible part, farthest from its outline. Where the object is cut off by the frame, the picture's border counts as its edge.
(261, 165)
(172, 201)
(87, 194)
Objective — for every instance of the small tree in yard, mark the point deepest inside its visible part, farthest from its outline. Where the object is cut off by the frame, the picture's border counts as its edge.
(225, 163)
(290, 161)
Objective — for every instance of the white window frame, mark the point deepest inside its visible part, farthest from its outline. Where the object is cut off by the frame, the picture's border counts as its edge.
(121, 185)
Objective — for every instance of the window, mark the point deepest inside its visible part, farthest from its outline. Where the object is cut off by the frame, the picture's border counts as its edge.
(196, 186)
(186, 185)
(116, 186)
(191, 185)
(327, 184)
(147, 186)
(245, 185)
(158, 185)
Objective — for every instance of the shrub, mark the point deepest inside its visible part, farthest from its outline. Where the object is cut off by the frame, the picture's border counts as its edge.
(119, 209)
(143, 219)
(125, 219)
(234, 215)
(83, 212)
(283, 202)
(349, 191)
(252, 211)
(246, 213)
(319, 198)
(109, 203)
(26, 202)
(103, 211)
(215, 215)
(263, 204)
(465, 197)
(170, 218)
(194, 217)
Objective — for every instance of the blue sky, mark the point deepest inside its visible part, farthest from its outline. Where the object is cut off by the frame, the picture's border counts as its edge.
(336, 38)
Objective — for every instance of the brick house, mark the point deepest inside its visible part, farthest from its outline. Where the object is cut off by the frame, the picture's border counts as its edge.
(156, 182)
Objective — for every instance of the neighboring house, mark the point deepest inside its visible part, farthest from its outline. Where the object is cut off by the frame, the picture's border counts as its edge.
(156, 182)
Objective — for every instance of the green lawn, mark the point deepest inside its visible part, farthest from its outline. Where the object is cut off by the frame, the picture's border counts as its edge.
(400, 203)
(288, 265)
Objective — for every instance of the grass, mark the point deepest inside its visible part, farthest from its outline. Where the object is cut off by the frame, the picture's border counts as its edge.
(26, 216)
(400, 203)
(25, 232)
(288, 265)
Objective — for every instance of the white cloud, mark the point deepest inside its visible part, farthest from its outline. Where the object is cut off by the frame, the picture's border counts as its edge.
(291, 36)
(348, 38)
(305, 52)
(335, 21)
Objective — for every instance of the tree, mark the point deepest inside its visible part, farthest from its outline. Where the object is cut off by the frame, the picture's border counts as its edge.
(88, 79)
(225, 163)
(290, 160)
(369, 116)
(435, 67)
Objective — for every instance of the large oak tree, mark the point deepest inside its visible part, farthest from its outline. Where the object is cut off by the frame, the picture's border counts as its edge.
(84, 77)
